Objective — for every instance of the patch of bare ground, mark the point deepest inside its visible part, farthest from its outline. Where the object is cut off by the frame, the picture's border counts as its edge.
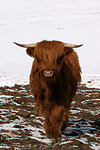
(22, 128)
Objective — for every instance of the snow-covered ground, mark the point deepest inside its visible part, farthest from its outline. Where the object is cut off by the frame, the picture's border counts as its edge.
(71, 21)
(16, 104)
(91, 80)
(10, 79)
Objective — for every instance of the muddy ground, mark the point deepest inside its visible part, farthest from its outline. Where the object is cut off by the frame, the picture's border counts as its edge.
(21, 126)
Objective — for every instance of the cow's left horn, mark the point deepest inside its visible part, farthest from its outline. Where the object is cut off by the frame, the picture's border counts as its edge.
(26, 45)
(72, 45)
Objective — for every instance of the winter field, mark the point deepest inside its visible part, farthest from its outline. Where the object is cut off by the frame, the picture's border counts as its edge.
(73, 21)
(21, 127)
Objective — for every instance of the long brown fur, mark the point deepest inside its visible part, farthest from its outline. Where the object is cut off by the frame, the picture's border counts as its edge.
(53, 96)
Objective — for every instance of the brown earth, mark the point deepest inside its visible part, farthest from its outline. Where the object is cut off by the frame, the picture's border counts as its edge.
(21, 126)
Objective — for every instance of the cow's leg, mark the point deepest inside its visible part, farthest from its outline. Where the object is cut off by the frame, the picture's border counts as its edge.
(51, 130)
(54, 121)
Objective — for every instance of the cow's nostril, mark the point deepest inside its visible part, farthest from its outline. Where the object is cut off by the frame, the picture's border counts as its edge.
(48, 73)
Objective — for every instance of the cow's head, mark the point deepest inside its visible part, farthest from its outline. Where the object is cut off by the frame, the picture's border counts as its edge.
(49, 55)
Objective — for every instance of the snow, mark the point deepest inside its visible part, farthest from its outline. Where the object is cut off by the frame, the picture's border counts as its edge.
(95, 146)
(10, 79)
(72, 21)
(91, 80)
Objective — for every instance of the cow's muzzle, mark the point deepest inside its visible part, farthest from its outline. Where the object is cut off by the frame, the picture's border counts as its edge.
(48, 73)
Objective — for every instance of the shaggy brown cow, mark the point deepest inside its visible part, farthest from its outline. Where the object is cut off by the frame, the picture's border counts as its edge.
(53, 80)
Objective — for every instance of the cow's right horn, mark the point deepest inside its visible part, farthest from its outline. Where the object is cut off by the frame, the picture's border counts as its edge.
(26, 45)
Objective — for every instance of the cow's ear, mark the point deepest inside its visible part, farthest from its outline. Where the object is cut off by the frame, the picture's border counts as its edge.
(67, 50)
(30, 51)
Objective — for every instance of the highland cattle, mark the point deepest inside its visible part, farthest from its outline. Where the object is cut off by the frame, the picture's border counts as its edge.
(54, 77)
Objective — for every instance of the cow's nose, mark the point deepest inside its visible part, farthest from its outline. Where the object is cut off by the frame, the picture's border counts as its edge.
(48, 73)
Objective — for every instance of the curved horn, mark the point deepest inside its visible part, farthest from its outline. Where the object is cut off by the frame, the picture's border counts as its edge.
(72, 45)
(26, 45)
